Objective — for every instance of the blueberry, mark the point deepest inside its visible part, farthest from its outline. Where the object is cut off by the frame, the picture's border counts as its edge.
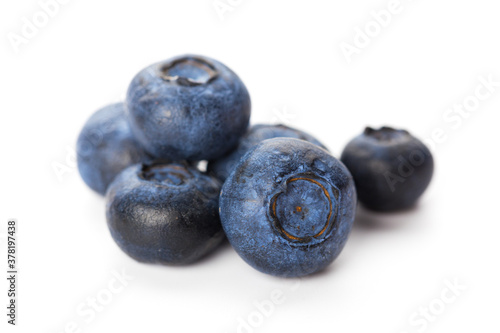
(222, 167)
(391, 168)
(188, 108)
(288, 206)
(164, 213)
(105, 147)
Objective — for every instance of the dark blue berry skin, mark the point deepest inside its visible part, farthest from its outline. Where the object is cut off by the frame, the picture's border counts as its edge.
(391, 168)
(164, 213)
(288, 207)
(105, 147)
(188, 108)
(222, 167)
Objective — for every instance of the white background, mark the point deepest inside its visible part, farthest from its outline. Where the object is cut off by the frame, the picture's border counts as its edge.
(427, 59)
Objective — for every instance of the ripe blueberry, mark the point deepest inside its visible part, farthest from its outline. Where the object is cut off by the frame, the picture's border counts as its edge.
(164, 213)
(188, 108)
(391, 168)
(288, 207)
(223, 166)
(105, 147)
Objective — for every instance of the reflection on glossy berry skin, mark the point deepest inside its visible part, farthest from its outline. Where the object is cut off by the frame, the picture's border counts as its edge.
(164, 213)
(188, 108)
(391, 168)
(105, 147)
(288, 207)
(222, 167)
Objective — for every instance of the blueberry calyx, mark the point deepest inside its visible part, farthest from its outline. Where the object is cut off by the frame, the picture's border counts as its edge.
(189, 71)
(385, 133)
(304, 199)
(174, 174)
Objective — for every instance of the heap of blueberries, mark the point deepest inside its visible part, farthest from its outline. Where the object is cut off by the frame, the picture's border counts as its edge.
(283, 201)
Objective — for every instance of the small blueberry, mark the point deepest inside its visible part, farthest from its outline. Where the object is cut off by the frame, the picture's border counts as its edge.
(105, 147)
(164, 213)
(391, 168)
(188, 108)
(288, 207)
